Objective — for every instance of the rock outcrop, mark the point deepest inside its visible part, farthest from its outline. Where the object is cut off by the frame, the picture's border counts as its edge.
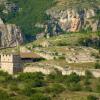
(74, 20)
(10, 35)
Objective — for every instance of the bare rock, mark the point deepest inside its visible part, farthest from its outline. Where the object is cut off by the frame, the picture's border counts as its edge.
(74, 20)
(10, 35)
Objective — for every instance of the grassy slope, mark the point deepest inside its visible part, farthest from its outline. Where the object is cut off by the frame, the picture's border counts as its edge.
(79, 3)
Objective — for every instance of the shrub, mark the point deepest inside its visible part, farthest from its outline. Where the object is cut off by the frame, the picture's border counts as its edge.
(97, 66)
(73, 78)
(74, 86)
(30, 76)
(91, 97)
(55, 77)
(55, 89)
(4, 95)
(88, 75)
(14, 87)
(38, 83)
(98, 88)
(62, 57)
(28, 91)
(6, 76)
(87, 88)
(39, 96)
(86, 81)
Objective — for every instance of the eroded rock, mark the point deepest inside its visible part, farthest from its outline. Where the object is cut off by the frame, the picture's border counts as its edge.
(74, 20)
(10, 35)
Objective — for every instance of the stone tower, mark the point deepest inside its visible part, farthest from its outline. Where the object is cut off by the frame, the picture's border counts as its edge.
(11, 63)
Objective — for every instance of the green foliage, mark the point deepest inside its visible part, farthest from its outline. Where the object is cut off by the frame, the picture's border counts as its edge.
(88, 75)
(98, 87)
(4, 95)
(55, 77)
(28, 91)
(38, 83)
(6, 76)
(32, 11)
(39, 96)
(55, 88)
(73, 78)
(90, 42)
(91, 97)
(13, 86)
(74, 86)
(30, 76)
(87, 88)
(97, 66)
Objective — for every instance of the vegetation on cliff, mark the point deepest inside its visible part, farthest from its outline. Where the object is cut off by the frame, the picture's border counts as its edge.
(30, 12)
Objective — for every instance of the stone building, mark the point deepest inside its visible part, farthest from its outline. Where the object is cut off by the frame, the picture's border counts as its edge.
(11, 63)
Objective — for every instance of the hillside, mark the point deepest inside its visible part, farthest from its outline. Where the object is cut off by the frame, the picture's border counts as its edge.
(32, 12)
(79, 3)
(51, 48)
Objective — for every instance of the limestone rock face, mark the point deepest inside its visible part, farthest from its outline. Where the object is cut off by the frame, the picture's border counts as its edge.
(10, 35)
(72, 20)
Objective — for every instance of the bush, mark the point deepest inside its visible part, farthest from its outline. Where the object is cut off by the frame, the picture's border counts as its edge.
(73, 78)
(30, 76)
(98, 88)
(38, 83)
(55, 77)
(88, 75)
(28, 91)
(62, 57)
(74, 86)
(97, 66)
(13, 87)
(4, 95)
(86, 81)
(6, 76)
(39, 96)
(91, 97)
(56, 88)
(87, 88)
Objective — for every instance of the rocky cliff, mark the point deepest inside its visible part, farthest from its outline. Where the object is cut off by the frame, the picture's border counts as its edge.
(10, 35)
(72, 20)
(74, 16)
